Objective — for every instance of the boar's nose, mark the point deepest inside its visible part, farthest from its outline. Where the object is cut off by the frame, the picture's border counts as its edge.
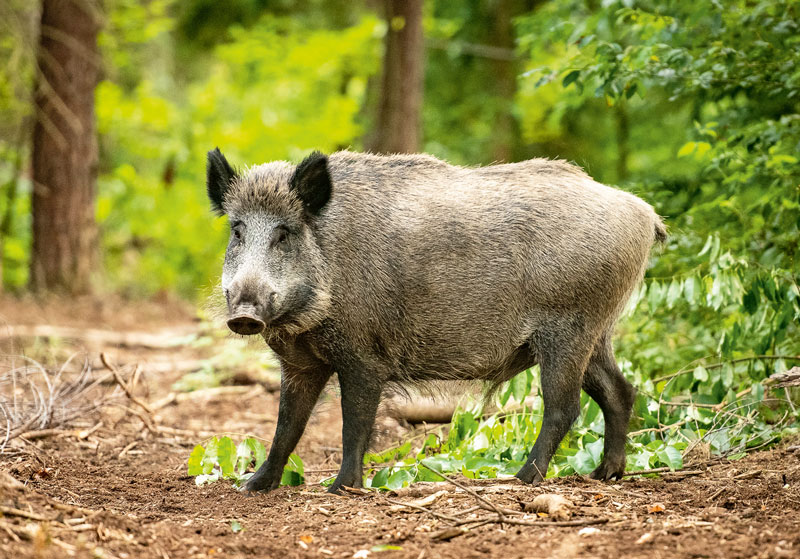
(249, 306)
(246, 324)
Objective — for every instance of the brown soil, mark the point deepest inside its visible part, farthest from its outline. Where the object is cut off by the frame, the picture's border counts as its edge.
(122, 491)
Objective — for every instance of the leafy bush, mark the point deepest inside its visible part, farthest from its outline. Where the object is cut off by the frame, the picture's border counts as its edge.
(220, 458)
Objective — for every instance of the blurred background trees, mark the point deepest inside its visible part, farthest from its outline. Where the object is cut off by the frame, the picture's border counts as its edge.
(678, 102)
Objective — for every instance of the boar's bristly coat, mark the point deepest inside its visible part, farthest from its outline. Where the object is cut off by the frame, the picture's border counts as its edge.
(403, 269)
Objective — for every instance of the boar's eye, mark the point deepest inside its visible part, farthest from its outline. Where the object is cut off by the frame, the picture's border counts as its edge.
(280, 238)
(236, 232)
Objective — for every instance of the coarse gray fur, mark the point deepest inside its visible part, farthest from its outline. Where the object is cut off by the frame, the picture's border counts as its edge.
(417, 270)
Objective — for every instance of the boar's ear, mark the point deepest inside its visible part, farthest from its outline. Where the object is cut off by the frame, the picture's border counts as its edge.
(219, 175)
(312, 182)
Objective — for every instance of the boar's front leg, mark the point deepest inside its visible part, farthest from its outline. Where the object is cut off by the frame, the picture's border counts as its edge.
(300, 389)
(360, 397)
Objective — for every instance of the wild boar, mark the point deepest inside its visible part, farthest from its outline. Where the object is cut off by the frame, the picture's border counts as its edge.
(388, 270)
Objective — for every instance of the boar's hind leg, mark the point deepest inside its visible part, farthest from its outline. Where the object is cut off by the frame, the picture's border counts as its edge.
(562, 365)
(299, 392)
(360, 397)
(614, 394)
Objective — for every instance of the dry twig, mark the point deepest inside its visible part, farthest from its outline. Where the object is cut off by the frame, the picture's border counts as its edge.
(118, 378)
(467, 489)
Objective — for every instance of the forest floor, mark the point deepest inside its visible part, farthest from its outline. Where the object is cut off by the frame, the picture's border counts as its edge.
(113, 483)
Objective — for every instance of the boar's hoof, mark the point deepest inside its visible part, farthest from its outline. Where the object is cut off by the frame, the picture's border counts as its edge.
(529, 473)
(258, 485)
(246, 324)
(609, 469)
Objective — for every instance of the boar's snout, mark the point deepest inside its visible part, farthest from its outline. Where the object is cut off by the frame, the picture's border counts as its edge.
(246, 324)
(250, 306)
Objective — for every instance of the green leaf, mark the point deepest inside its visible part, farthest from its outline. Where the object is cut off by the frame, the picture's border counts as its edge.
(687, 149)
(750, 300)
(520, 386)
(196, 466)
(244, 455)
(259, 452)
(582, 462)
(674, 292)
(210, 457)
(381, 478)
(399, 479)
(236, 526)
(654, 296)
(700, 373)
(226, 456)
(570, 78)
(671, 456)
(293, 471)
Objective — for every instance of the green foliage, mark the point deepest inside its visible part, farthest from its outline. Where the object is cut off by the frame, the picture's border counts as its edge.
(262, 89)
(220, 458)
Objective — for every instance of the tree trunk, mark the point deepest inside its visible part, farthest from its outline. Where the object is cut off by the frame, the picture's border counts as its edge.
(65, 147)
(505, 126)
(398, 123)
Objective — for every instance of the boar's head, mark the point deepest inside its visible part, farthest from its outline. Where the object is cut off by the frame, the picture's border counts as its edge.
(274, 273)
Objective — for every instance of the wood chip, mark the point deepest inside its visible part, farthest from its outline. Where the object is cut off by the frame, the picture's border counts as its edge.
(448, 534)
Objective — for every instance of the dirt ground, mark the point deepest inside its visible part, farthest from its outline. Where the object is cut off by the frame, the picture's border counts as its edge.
(106, 485)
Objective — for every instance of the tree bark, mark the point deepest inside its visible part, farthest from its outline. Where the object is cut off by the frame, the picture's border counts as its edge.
(65, 148)
(505, 126)
(398, 122)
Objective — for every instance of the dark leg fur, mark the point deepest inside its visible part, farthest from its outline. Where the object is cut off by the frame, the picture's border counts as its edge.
(299, 392)
(615, 395)
(562, 365)
(360, 398)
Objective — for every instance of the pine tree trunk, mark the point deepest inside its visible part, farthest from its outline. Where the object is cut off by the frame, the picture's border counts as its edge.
(65, 148)
(398, 123)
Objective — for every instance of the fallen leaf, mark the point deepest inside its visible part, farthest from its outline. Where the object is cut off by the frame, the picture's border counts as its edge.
(655, 508)
(556, 506)
(307, 539)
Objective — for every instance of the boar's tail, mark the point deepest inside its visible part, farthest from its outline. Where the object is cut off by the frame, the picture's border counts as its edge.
(660, 232)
